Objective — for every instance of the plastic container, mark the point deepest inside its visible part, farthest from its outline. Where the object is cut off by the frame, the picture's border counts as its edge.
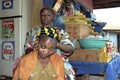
(92, 43)
(57, 5)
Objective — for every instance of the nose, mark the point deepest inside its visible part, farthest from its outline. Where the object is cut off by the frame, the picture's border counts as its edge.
(45, 51)
(45, 16)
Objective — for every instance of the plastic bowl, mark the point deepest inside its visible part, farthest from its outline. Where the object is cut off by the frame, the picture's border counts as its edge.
(92, 43)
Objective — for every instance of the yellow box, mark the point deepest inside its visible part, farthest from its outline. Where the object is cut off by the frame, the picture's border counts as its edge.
(104, 55)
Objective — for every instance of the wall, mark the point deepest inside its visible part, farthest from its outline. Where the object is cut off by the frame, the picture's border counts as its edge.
(26, 20)
(36, 6)
(21, 27)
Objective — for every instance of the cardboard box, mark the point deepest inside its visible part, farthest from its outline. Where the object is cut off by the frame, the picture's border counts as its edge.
(77, 30)
(97, 77)
(90, 55)
(83, 77)
(90, 77)
(81, 54)
(85, 55)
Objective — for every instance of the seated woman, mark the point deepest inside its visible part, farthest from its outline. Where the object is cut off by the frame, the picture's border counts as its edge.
(43, 63)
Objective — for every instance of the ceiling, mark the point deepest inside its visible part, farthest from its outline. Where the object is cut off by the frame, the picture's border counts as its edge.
(99, 4)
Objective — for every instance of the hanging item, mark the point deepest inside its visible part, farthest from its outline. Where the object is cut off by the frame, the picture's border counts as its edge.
(8, 28)
(8, 42)
(8, 50)
(57, 5)
(7, 4)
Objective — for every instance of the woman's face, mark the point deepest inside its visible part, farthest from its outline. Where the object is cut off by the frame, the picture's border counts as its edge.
(46, 47)
(46, 17)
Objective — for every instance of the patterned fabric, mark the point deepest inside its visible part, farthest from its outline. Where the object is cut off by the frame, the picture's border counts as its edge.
(31, 38)
(31, 42)
(49, 31)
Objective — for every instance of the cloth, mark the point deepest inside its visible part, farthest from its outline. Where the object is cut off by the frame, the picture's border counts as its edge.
(17, 60)
(113, 69)
(83, 67)
(40, 73)
(110, 69)
(28, 62)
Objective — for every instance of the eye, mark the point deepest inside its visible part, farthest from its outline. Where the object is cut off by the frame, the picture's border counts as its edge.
(52, 49)
(43, 47)
(42, 14)
(49, 14)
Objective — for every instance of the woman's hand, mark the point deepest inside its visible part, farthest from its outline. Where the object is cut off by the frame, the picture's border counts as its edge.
(66, 48)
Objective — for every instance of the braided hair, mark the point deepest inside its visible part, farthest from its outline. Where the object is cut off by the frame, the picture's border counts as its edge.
(48, 31)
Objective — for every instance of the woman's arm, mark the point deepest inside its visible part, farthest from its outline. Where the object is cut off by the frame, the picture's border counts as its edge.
(67, 48)
(65, 44)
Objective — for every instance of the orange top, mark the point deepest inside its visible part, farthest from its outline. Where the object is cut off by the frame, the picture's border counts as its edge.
(28, 62)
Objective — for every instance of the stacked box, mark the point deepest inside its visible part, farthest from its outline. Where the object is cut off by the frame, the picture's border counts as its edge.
(77, 31)
(100, 55)
(85, 55)
(77, 26)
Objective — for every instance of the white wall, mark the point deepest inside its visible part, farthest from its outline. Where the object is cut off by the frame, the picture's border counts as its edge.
(109, 15)
(26, 20)
(6, 67)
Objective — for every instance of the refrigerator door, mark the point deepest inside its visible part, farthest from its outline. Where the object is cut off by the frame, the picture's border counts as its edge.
(10, 49)
(10, 8)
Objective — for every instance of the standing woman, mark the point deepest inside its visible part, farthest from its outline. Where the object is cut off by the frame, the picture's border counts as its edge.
(64, 47)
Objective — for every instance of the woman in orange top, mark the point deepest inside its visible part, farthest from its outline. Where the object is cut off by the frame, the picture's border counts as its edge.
(43, 63)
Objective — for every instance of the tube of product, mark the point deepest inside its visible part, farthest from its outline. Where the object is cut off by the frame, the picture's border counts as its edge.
(57, 5)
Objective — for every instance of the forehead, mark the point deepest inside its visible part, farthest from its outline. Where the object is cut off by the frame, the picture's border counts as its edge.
(46, 10)
(48, 42)
(45, 39)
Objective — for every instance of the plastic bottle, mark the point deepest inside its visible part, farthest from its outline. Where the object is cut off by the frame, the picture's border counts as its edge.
(57, 5)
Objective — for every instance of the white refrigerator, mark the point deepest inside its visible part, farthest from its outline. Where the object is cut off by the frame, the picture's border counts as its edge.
(15, 21)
